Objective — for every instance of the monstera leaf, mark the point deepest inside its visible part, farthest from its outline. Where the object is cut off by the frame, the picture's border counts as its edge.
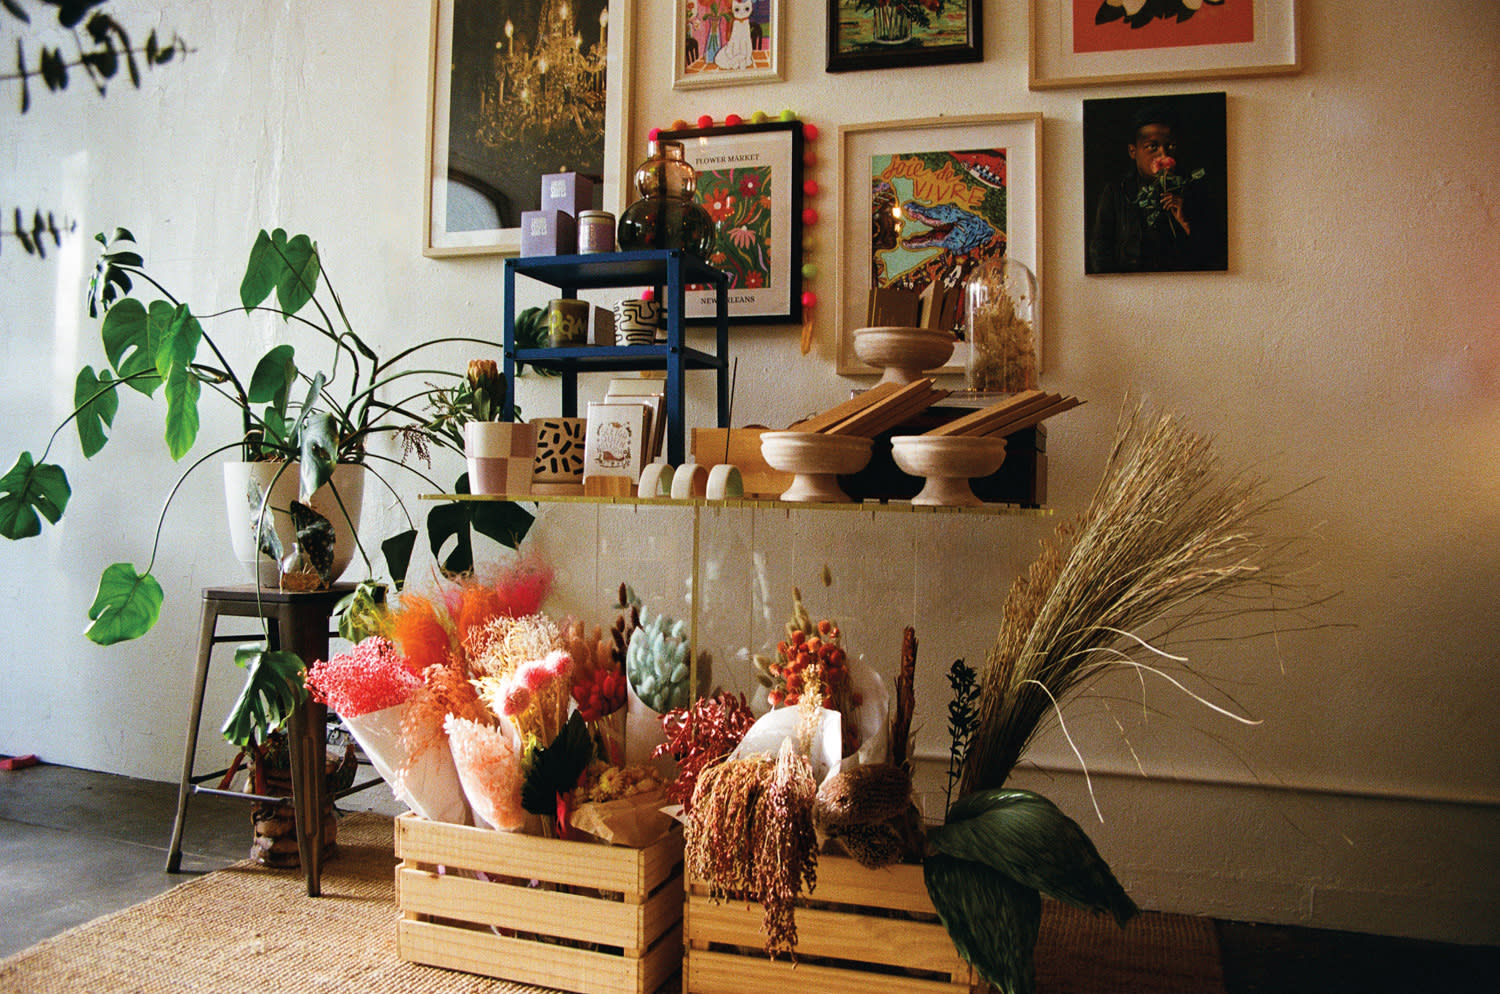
(314, 539)
(273, 689)
(96, 398)
(125, 607)
(29, 489)
(504, 521)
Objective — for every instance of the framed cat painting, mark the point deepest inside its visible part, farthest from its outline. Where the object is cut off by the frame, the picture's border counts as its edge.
(725, 42)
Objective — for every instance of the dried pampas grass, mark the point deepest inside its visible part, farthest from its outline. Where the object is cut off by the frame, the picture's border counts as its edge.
(1167, 543)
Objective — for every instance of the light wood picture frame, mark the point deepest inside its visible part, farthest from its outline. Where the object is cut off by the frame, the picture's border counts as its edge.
(728, 44)
(490, 117)
(949, 176)
(1074, 44)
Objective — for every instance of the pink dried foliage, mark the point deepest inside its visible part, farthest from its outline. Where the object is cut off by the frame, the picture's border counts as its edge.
(371, 677)
(700, 735)
(490, 771)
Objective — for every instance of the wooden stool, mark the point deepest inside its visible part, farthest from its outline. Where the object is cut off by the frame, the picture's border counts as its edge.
(298, 622)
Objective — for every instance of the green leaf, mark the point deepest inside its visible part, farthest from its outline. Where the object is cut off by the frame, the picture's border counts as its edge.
(273, 689)
(96, 398)
(126, 606)
(1027, 838)
(27, 489)
(361, 612)
(397, 550)
(504, 521)
(320, 444)
(314, 539)
(176, 346)
(127, 342)
(992, 920)
(555, 768)
(260, 271)
(272, 380)
(299, 277)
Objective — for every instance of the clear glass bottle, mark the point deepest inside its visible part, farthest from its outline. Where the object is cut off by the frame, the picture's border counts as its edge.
(668, 214)
(1000, 306)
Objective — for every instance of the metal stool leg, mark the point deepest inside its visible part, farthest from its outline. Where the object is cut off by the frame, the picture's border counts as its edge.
(206, 630)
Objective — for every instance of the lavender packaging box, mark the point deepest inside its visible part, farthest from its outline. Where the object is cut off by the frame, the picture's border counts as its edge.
(571, 193)
(548, 232)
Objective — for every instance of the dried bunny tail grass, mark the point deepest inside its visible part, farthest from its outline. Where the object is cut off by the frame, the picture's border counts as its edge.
(590, 651)
(1167, 543)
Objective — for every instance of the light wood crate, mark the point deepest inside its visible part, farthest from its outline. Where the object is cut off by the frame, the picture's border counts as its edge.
(612, 925)
(865, 932)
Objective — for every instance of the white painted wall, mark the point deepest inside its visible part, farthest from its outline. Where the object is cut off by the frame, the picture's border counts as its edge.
(1355, 342)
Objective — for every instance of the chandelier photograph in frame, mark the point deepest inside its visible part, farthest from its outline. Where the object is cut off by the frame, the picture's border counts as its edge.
(520, 89)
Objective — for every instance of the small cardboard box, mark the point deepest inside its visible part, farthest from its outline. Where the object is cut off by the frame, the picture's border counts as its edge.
(571, 193)
(576, 916)
(549, 232)
(859, 931)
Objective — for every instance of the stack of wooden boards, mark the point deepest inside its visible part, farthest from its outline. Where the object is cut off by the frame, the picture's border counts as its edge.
(877, 410)
(1006, 417)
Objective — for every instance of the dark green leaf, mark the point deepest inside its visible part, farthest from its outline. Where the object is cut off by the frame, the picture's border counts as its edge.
(54, 69)
(1026, 837)
(992, 920)
(320, 444)
(125, 607)
(28, 489)
(299, 277)
(127, 342)
(273, 689)
(96, 398)
(260, 271)
(504, 521)
(554, 769)
(314, 539)
(70, 13)
(272, 379)
(397, 550)
(451, 521)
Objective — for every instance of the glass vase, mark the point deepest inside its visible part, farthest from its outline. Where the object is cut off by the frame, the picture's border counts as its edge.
(668, 214)
(1000, 306)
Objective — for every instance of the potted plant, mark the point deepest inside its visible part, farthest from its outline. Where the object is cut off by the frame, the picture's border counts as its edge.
(499, 453)
(289, 416)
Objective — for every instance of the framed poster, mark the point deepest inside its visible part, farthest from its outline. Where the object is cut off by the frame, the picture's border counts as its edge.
(1104, 42)
(724, 42)
(519, 89)
(750, 182)
(927, 201)
(1154, 184)
(885, 34)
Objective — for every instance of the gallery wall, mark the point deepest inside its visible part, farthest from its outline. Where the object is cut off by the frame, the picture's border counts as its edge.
(1350, 354)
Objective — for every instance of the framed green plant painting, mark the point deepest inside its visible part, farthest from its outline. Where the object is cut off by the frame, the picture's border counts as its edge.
(750, 182)
(885, 34)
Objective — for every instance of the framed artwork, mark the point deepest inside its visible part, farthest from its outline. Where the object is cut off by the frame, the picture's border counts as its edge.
(750, 182)
(927, 201)
(1104, 42)
(519, 89)
(884, 34)
(1154, 184)
(724, 42)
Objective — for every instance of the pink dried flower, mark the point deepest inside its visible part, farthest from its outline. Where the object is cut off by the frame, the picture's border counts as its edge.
(489, 770)
(517, 699)
(371, 677)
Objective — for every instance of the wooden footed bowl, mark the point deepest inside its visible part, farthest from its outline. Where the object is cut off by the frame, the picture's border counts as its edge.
(948, 462)
(904, 353)
(816, 461)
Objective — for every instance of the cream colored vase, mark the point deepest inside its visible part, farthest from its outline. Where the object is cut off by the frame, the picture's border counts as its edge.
(245, 484)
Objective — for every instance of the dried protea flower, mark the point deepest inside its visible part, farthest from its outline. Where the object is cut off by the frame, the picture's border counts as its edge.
(872, 846)
(486, 389)
(864, 795)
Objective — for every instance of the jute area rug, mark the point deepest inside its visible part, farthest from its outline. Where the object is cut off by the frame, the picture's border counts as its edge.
(246, 928)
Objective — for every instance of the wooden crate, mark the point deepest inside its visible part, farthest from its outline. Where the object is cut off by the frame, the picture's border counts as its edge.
(859, 932)
(604, 920)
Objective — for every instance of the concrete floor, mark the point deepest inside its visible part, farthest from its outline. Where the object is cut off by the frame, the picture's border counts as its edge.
(75, 845)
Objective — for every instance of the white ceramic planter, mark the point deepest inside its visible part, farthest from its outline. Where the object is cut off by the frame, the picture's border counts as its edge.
(246, 482)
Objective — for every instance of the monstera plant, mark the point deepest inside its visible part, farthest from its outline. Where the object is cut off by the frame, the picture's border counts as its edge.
(159, 347)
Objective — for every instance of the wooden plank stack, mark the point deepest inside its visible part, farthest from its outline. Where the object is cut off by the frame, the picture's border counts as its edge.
(1006, 417)
(877, 410)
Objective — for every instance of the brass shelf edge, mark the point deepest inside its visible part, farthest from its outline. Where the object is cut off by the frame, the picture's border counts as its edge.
(755, 503)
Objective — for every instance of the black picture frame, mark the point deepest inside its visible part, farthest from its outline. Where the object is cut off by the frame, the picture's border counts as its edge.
(768, 155)
(845, 54)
